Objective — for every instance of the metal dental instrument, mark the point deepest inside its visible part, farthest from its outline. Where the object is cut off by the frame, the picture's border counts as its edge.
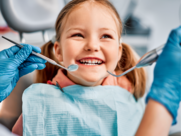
(72, 67)
(147, 59)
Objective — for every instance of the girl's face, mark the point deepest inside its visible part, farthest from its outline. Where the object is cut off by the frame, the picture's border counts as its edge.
(89, 39)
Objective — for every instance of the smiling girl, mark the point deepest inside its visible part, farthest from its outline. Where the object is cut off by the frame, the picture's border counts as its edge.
(88, 34)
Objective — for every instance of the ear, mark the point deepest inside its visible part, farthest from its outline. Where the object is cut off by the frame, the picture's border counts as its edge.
(120, 51)
(58, 52)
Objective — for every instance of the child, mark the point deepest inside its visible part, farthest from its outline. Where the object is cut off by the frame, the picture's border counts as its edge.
(88, 34)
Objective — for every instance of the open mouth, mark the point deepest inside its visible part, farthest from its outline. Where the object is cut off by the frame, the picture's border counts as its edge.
(91, 61)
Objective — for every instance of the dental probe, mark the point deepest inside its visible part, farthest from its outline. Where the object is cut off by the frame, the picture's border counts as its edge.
(72, 67)
(147, 59)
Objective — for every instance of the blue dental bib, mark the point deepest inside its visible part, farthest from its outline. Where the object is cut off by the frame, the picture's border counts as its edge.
(80, 111)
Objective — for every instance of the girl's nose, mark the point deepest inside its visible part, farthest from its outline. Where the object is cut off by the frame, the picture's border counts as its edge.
(92, 46)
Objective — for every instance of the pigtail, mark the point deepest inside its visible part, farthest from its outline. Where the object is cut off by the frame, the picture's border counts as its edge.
(137, 77)
(42, 76)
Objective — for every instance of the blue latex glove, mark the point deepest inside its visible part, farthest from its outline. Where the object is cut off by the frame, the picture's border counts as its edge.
(166, 87)
(14, 63)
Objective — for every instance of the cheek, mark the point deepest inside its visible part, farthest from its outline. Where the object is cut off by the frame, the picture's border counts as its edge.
(112, 56)
(69, 52)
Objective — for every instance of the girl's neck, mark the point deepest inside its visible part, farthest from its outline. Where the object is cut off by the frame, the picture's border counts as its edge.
(84, 83)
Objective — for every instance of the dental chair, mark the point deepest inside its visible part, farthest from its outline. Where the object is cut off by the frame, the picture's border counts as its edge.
(26, 16)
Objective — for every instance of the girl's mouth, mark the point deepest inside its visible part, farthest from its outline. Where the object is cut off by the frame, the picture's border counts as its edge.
(90, 61)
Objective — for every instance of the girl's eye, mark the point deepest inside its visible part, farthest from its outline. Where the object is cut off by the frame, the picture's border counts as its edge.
(77, 35)
(106, 36)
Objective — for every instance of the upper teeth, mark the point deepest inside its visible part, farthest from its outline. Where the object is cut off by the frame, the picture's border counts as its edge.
(91, 61)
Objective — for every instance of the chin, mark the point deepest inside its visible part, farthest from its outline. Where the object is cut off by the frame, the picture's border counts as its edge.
(89, 79)
(92, 81)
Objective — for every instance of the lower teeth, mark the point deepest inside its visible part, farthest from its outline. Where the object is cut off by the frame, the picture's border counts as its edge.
(91, 64)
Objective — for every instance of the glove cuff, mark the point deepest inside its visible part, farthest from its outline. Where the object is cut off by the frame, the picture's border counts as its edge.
(2, 97)
(167, 98)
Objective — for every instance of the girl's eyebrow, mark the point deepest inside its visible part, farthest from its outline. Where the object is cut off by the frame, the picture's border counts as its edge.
(77, 28)
(108, 29)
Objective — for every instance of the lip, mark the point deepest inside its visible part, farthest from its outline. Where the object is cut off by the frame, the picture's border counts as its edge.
(80, 64)
(92, 58)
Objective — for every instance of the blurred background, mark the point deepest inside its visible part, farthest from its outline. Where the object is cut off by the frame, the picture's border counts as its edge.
(147, 24)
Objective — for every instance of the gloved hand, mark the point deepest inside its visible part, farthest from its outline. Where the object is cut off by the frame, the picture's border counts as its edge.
(166, 86)
(14, 63)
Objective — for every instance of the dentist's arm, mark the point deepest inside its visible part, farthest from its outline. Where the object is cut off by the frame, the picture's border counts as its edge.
(14, 63)
(165, 93)
(156, 120)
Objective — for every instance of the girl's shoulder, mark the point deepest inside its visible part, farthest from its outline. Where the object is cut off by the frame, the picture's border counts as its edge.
(122, 82)
(125, 83)
(38, 85)
(38, 88)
